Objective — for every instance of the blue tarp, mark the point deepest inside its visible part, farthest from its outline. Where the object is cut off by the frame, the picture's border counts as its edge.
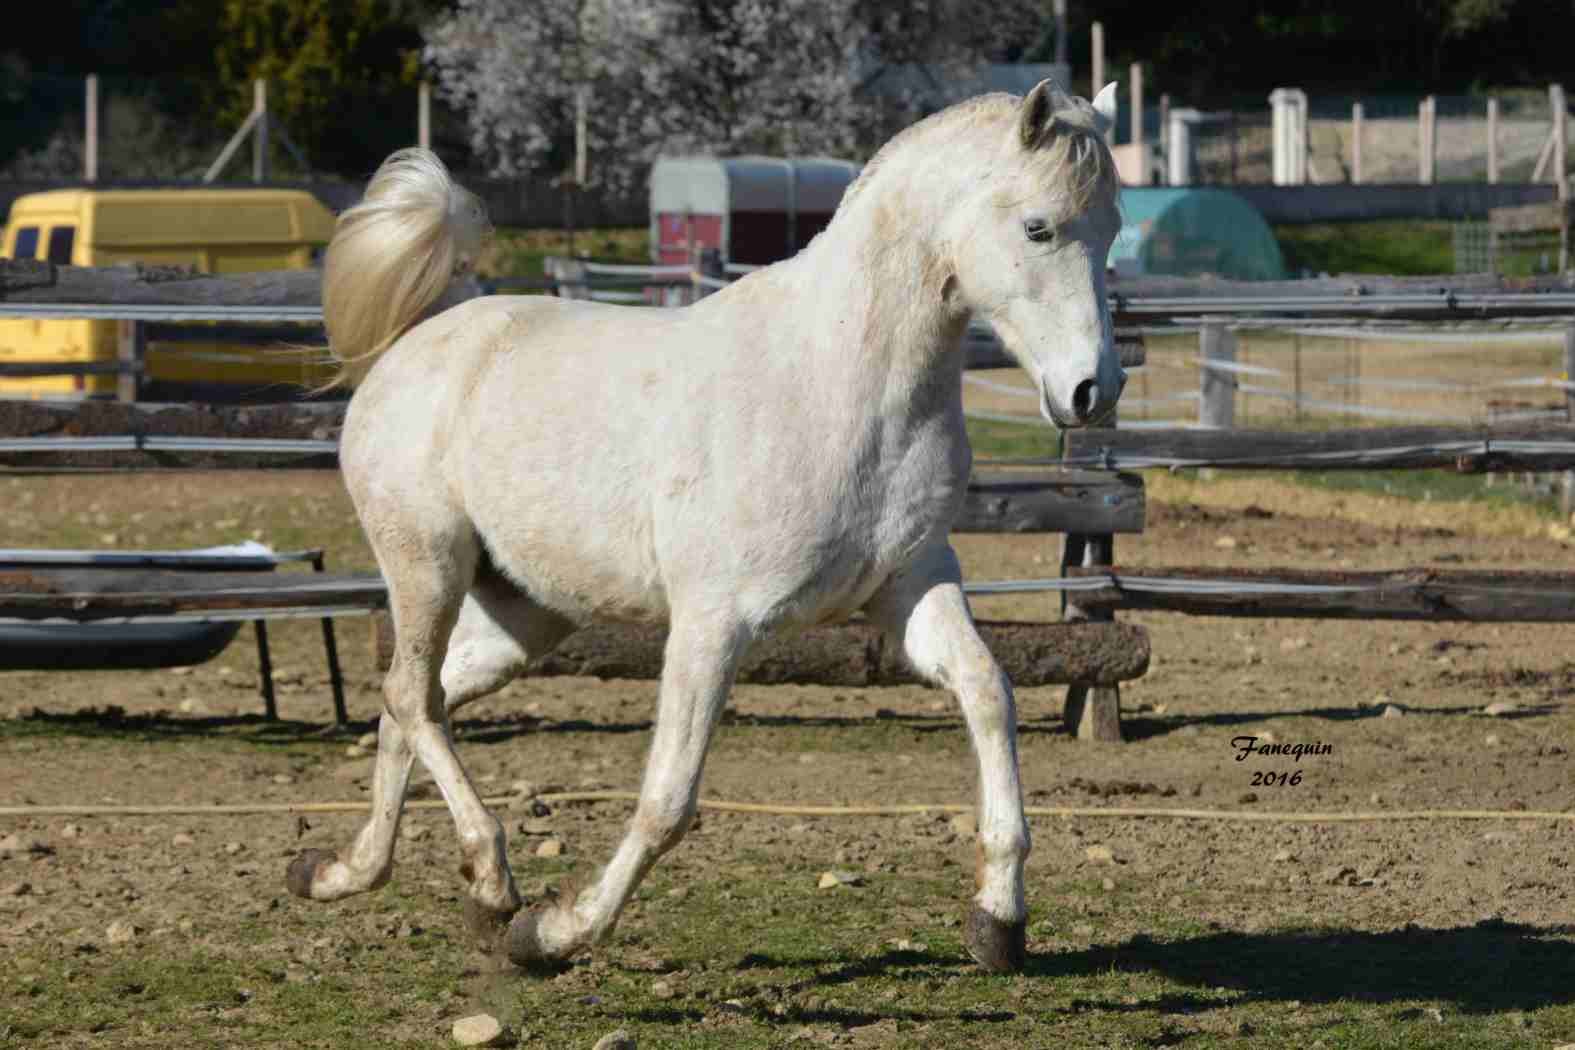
(1187, 231)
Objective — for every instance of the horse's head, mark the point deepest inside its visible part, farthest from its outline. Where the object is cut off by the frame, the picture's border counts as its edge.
(1030, 251)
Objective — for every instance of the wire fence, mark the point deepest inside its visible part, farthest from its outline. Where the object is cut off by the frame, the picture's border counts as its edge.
(1309, 375)
(1235, 144)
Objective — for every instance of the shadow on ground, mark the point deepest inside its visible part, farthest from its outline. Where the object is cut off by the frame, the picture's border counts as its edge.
(1488, 968)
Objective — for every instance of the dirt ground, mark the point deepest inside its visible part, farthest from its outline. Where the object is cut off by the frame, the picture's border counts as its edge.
(191, 735)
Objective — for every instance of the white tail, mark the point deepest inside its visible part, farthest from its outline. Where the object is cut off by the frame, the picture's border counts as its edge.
(394, 254)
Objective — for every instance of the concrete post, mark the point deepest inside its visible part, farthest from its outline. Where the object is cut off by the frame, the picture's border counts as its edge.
(1290, 136)
(1356, 142)
(1427, 140)
(1178, 147)
(1492, 142)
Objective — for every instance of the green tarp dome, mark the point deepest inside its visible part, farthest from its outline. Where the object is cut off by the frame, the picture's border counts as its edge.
(1186, 231)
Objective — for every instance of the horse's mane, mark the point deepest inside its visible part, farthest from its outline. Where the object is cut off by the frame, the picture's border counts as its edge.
(1077, 145)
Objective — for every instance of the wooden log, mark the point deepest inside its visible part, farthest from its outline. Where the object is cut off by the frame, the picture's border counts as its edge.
(1376, 448)
(1404, 594)
(85, 595)
(1052, 501)
(853, 654)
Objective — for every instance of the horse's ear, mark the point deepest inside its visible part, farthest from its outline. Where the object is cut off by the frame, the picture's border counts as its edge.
(1037, 111)
(1105, 108)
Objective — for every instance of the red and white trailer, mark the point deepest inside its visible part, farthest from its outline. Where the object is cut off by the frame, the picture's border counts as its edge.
(755, 210)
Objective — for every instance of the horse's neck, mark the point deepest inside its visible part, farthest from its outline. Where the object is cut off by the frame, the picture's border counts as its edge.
(874, 285)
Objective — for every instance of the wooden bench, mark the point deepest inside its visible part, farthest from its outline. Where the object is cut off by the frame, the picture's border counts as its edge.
(86, 592)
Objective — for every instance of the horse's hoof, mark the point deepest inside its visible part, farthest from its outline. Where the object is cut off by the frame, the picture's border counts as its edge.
(487, 925)
(1000, 947)
(303, 869)
(523, 944)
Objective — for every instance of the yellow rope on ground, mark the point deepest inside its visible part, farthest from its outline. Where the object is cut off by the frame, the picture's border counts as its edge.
(787, 810)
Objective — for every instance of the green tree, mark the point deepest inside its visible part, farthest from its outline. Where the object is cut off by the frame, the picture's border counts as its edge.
(341, 73)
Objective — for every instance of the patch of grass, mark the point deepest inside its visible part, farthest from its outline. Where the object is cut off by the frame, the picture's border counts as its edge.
(996, 440)
(515, 252)
(1426, 486)
(1402, 247)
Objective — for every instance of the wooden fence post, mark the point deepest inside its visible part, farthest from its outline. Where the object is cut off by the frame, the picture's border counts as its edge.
(130, 352)
(1560, 139)
(573, 282)
(1356, 142)
(90, 131)
(1568, 503)
(1135, 83)
(1091, 712)
(1492, 136)
(1217, 401)
(1164, 136)
(260, 132)
(1098, 62)
(424, 115)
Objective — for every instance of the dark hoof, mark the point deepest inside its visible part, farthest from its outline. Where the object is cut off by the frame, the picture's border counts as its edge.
(488, 927)
(999, 947)
(303, 869)
(523, 945)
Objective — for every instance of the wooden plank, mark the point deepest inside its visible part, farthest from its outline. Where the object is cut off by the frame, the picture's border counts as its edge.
(987, 351)
(1383, 448)
(852, 654)
(1405, 594)
(1052, 500)
(86, 595)
(32, 281)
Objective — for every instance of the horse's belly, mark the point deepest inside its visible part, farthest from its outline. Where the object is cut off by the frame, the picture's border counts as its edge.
(584, 568)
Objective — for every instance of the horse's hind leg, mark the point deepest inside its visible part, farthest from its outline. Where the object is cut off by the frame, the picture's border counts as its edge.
(697, 673)
(498, 632)
(925, 609)
(429, 560)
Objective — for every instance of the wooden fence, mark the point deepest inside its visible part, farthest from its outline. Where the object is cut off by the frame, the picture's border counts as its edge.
(1085, 496)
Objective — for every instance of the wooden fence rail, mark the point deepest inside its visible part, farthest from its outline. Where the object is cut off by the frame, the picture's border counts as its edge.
(1401, 594)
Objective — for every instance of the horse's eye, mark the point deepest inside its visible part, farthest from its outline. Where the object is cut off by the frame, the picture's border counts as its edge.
(1038, 230)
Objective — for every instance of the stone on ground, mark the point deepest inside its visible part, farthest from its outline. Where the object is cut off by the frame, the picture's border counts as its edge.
(618, 1039)
(478, 1030)
(121, 931)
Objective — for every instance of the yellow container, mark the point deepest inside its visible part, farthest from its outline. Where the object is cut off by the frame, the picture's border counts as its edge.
(210, 230)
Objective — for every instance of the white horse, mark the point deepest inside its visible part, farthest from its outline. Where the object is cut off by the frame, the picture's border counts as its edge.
(785, 452)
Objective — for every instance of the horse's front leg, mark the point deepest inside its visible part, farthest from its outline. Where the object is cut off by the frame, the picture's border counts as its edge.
(925, 609)
(697, 673)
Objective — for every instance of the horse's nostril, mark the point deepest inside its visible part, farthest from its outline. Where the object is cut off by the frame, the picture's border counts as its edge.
(1083, 400)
